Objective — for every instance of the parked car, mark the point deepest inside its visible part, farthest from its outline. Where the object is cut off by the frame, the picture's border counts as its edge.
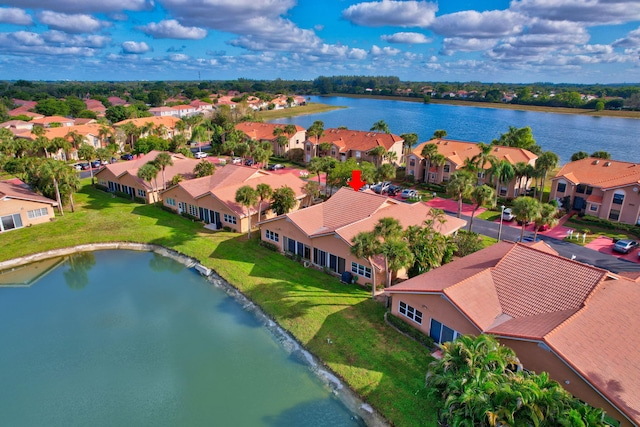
(526, 222)
(77, 166)
(127, 156)
(365, 187)
(394, 190)
(96, 164)
(249, 162)
(84, 166)
(408, 193)
(275, 167)
(624, 246)
(201, 155)
(236, 160)
(528, 239)
(104, 162)
(508, 215)
(381, 187)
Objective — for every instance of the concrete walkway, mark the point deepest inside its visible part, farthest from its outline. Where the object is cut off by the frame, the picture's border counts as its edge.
(450, 205)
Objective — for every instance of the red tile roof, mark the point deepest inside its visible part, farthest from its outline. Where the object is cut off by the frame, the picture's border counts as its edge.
(261, 131)
(357, 139)
(457, 151)
(600, 173)
(18, 190)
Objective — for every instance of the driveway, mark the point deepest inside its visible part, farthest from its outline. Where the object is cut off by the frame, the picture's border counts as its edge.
(604, 244)
(450, 205)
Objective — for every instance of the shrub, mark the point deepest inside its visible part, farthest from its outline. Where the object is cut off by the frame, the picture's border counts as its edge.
(410, 331)
(140, 200)
(269, 246)
(102, 188)
(467, 242)
(410, 179)
(168, 209)
(226, 228)
(191, 217)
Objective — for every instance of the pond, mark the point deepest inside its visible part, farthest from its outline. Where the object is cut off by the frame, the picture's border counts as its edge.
(114, 338)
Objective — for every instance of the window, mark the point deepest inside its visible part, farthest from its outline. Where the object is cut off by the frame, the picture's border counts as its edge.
(308, 147)
(618, 198)
(446, 168)
(614, 215)
(433, 176)
(442, 333)
(297, 248)
(410, 312)
(193, 210)
(412, 162)
(9, 222)
(593, 208)
(170, 202)
(357, 154)
(581, 188)
(360, 270)
(589, 190)
(481, 175)
(270, 235)
(333, 151)
(230, 219)
(37, 213)
(562, 187)
(142, 193)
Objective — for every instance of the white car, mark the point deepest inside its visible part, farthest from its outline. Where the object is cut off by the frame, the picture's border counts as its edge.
(408, 193)
(201, 155)
(508, 215)
(236, 160)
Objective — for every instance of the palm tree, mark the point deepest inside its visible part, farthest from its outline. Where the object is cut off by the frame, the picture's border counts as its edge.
(504, 173)
(548, 216)
(480, 195)
(49, 173)
(147, 172)
(410, 139)
(484, 156)
(324, 147)
(366, 245)
(87, 152)
(163, 160)
(380, 126)
(438, 161)
(264, 192)
(428, 152)
(391, 156)
(312, 190)
(130, 130)
(317, 130)
(377, 153)
(526, 209)
(283, 200)
(316, 166)
(430, 248)
(546, 162)
(386, 172)
(247, 197)
(439, 134)
(204, 168)
(387, 229)
(459, 186)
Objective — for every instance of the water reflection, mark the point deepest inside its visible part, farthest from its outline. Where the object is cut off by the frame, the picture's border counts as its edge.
(161, 264)
(77, 276)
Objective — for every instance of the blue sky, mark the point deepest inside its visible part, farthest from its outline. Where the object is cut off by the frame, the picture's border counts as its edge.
(572, 41)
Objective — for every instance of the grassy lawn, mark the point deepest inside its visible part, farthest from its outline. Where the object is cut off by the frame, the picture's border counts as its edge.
(310, 108)
(338, 323)
(593, 232)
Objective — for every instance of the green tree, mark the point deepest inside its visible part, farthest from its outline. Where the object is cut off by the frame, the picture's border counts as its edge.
(75, 104)
(430, 248)
(380, 126)
(247, 197)
(601, 155)
(459, 187)
(264, 192)
(520, 138)
(283, 200)
(377, 153)
(147, 172)
(316, 130)
(410, 139)
(439, 134)
(429, 151)
(366, 245)
(386, 172)
(87, 152)
(579, 155)
(116, 114)
(546, 161)
(312, 190)
(204, 168)
(526, 209)
(503, 172)
(548, 216)
(163, 160)
(480, 196)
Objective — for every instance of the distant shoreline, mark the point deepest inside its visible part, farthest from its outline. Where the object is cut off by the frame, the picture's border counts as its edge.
(310, 108)
(541, 109)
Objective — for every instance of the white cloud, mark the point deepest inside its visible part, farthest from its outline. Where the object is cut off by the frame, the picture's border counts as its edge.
(93, 41)
(24, 43)
(589, 12)
(385, 51)
(83, 6)
(172, 29)
(71, 23)
(135, 47)
(179, 57)
(469, 23)
(631, 40)
(457, 44)
(392, 13)
(12, 15)
(408, 38)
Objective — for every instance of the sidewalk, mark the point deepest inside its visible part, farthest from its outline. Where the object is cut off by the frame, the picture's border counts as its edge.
(450, 205)
(560, 231)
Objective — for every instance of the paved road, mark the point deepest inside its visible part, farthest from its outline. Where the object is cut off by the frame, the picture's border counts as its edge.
(565, 249)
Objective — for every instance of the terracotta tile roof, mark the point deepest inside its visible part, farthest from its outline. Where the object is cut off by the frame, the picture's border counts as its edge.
(18, 190)
(261, 131)
(594, 199)
(168, 121)
(357, 139)
(51, 119)
(600, 173)
(81, 121)
(458, 151)
(63, 131)
(114, 100)
(95, 105)
(181, 166)
(20, 124)
(223, 176)
(24, 110)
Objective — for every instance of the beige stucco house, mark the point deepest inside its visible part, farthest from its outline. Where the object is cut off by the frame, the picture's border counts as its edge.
(559, 315)
(357, 144)
(122, 177)
(265, 132)
(457, 152)
(212, 198)
(607, 189)
(321, 234)
(22, 207)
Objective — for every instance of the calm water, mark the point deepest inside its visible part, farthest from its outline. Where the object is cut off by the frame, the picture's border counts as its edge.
(134, 339)
(563, 134)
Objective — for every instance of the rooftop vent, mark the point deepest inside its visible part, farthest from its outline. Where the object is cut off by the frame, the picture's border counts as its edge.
(446, 143)
(608, 164)
(595, 162)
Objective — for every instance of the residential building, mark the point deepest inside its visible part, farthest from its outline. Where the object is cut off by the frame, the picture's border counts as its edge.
(22, 207)
(607, 189)
(213, 198)
(558, 315)
(48, 121)
(457, 152)
(122, 177)
(321, 234)
(24, 111)
(265, 132)
(163, 112)
(357, 144)
(165, 125)
(95, 106)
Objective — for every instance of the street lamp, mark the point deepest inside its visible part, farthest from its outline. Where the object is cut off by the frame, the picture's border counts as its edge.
(501, 218)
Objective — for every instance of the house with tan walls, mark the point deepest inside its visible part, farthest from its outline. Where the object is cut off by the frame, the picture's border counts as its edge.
(122, 177)
(357, 144)
(264, 132)
(577, 322)
(457, 152)
(607, 189)
(212, 199)
(165, 124)
(22, 207)
(321, 234)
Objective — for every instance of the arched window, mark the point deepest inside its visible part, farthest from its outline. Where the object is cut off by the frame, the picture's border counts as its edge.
(562, 186)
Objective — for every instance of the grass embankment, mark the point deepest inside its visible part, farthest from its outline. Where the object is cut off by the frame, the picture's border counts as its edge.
(559, 110)
(338, 323)
(310, 108)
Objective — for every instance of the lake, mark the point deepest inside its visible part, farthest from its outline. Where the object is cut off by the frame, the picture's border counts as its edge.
(125, 338)
(563, 134)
